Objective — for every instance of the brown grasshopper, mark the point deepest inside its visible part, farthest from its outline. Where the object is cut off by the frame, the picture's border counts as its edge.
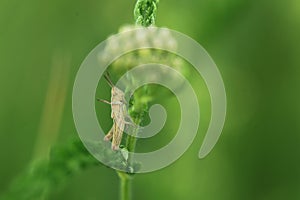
(118, 114)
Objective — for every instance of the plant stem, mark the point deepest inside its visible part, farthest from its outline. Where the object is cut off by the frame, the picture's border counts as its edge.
(145, 15)
(126, 178)
(125, 186)
(131, 139)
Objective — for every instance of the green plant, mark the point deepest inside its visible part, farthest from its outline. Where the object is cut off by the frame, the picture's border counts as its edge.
(145, 15)
(43, 176)
(145, 12)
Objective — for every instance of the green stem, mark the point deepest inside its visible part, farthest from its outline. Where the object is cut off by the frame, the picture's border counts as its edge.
(145, 15)
(125, 186)
(126, 178)
(131, 139)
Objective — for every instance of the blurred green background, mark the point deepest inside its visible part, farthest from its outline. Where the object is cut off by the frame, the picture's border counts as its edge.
(255, 44)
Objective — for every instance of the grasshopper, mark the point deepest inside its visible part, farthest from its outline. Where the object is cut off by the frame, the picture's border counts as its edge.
(118, 114)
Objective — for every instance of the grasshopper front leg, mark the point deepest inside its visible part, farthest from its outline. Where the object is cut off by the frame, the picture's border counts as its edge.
(111, 103)
(104, 101)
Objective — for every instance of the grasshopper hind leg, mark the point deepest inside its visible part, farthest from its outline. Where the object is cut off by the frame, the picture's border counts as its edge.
(113, 134)
(109, 135)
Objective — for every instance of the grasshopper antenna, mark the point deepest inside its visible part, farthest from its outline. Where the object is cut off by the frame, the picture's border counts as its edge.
(108, 79)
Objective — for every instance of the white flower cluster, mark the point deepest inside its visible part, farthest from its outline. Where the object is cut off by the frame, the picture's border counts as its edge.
(146, 38)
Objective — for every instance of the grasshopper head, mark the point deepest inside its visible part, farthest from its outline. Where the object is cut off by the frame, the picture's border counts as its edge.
(117, 93)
